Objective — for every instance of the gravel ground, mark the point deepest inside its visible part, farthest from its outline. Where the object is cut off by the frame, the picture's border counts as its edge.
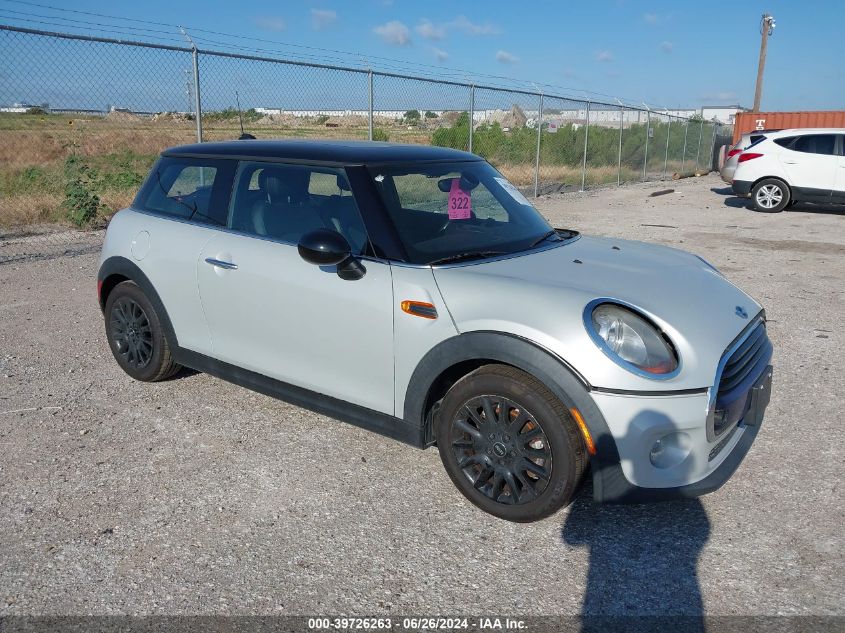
(195, 496)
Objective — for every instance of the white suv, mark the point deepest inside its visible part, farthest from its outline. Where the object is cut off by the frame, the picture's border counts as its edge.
(790, 166)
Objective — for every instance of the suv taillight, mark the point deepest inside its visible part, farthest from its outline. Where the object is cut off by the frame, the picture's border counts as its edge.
(734, 152)
(747, 156)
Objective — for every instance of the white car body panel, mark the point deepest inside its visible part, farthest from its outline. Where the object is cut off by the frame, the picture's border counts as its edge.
(547, 293)
(637, 422)
(170, 261)
(299, 323)
(414, 337)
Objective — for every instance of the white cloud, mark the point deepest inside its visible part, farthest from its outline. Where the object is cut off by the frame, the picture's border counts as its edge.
(721, 97)
(604, 56)
(651, 18)
(322, 18)
(394, 32)
(506, 57)
(462, 23)
(441, 55)
(667, 47)
(270, 23)
(431, 31)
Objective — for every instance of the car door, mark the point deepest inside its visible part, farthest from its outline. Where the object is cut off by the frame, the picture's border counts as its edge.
(810, 163)
(181, 202)
(271, 312)
(839, 187)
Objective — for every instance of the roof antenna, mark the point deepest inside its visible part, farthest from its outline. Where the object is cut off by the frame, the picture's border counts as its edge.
(244, 136)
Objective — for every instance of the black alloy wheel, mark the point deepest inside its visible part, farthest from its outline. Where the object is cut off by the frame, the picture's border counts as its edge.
(509, 444)
(501, 449)
(133, 336)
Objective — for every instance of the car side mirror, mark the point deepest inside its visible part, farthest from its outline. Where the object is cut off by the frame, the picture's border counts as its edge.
(325, 247)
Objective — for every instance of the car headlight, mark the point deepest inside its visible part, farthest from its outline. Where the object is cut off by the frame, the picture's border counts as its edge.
(630, 338)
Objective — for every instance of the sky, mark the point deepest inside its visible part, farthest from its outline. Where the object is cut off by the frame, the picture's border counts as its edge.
(667, 54)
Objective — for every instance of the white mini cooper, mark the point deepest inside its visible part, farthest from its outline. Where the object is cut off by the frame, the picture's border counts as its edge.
(415, 292)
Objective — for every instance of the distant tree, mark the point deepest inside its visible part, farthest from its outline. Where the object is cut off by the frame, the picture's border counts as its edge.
(412, 115)
(430, 115)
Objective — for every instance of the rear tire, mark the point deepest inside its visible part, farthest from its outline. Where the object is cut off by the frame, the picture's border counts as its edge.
(509, 445)
(770, 196)
(135, 335)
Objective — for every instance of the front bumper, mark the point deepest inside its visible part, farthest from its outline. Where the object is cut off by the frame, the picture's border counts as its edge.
(742, 188)
(633, 478)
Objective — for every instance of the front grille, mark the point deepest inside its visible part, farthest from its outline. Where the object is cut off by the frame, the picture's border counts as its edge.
(742, 367)
(753, 352)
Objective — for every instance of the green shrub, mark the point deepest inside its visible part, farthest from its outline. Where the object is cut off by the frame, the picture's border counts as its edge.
(81, 203)
(380, 134)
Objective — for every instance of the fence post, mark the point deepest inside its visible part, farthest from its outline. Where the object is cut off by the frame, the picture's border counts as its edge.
(197, 102)
(647, 132)
(584, 161)
(370, 115)
(684, 159)
(668, 136)
(698, 151)
(537, 156)
(471, 114)
(712, 146)
(619, 166)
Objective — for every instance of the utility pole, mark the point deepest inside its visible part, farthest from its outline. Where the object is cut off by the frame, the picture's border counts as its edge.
(767, 27)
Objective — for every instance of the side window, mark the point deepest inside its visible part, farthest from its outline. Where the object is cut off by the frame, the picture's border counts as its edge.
(182, 188)
(284, 202)
(816, 144)
(785, 141)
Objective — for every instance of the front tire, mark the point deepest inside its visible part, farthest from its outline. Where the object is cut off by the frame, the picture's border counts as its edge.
(770, 196)
(509, 445)
(135, 335)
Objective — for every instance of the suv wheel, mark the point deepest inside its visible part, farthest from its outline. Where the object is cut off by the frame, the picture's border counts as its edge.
(770, 195)
(509, 444)
(135, 335)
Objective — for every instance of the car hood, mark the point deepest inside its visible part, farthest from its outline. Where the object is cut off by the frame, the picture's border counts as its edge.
(542, 296)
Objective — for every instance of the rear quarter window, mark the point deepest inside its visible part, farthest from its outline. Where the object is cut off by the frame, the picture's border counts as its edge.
(188, 189)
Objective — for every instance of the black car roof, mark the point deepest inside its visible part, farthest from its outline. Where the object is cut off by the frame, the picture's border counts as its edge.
(323, 151)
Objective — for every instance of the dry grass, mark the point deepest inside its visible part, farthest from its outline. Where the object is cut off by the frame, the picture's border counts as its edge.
(29, 209)
(33, 149)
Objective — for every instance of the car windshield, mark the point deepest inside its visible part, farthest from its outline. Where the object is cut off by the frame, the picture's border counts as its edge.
(450, 211)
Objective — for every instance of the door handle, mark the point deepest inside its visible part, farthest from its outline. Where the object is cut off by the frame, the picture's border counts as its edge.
(790, 162)
(221, 264)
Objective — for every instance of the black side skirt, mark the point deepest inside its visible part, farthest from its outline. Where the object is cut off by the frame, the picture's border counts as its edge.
(388, 425)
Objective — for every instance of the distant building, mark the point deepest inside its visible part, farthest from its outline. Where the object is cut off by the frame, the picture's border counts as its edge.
(722, 114)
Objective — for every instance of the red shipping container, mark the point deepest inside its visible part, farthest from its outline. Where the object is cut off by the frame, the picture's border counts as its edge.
(750, 121)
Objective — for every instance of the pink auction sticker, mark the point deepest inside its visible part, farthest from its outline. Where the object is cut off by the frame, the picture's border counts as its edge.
(460, 204)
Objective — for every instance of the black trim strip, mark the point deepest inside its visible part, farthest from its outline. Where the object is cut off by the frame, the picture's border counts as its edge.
(388, 425)
(633, 392)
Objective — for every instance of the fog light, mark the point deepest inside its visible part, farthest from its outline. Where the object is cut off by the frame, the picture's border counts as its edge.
(670, 450)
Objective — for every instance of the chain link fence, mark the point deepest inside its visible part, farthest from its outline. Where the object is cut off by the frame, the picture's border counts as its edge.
(83, 118)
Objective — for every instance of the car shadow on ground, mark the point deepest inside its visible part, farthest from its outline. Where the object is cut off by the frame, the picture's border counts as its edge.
(724, 191)
(642, 559)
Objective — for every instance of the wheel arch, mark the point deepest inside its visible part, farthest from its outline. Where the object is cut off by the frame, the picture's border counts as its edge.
(116, 270)
(455, 357)
(779, 179)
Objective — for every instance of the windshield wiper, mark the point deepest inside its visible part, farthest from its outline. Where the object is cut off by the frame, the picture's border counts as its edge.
(465, 256)
(545, 236)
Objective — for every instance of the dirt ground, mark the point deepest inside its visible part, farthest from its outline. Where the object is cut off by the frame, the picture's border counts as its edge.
(195, 496)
